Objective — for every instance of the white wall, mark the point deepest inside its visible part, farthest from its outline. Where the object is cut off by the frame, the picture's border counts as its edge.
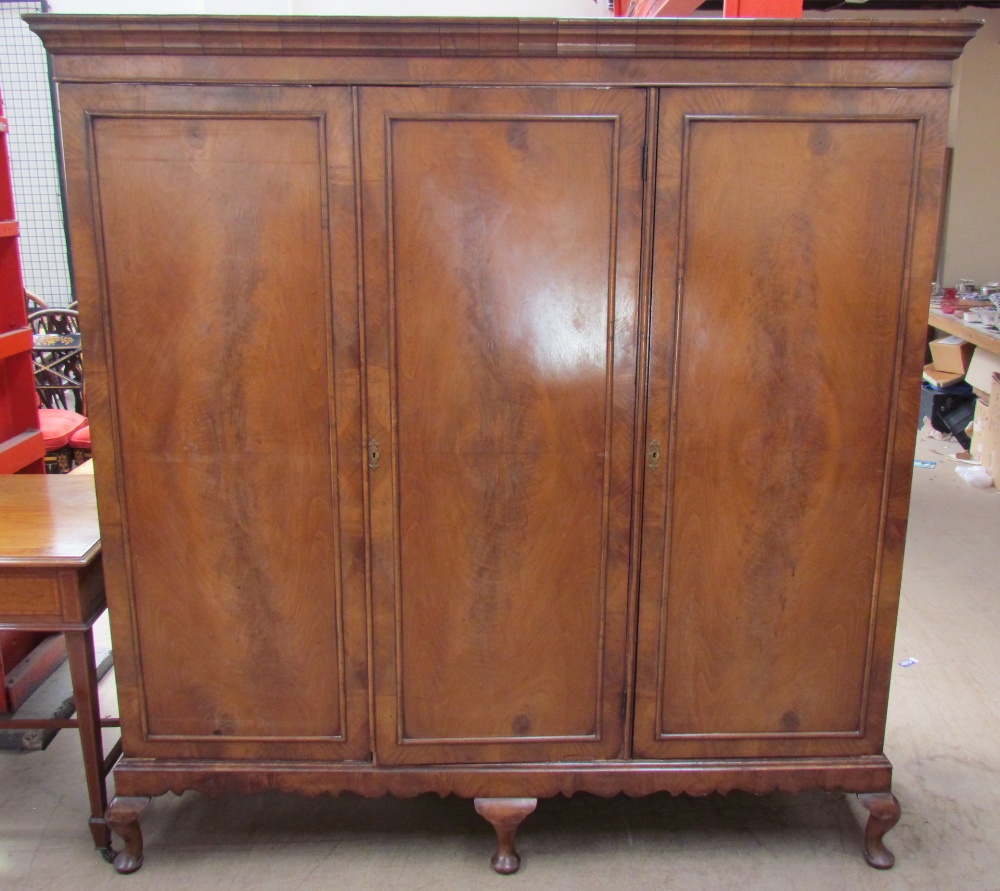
(128, 7)
(972, 247)
(525, 8)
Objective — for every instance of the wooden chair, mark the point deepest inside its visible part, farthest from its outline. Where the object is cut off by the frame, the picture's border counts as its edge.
(79, 442)
(59, 427)
(57, 357)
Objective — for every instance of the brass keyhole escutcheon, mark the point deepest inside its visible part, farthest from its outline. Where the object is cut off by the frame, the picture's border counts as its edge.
(654, 454)
(373, 454)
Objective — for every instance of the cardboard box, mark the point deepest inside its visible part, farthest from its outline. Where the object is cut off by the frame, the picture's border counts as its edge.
(981, 370)
(951, 354)
(980, 448)
(991, 440)
(939, 378)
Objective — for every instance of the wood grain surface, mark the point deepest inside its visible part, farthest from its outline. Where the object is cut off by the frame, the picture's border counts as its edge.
(242, 512)
(511, 300)
(48, 519)
(29, 594)
(790, 309)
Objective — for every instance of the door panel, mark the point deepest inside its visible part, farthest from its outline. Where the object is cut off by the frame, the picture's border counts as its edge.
(782, 287)
(502, 229)
(233, 330)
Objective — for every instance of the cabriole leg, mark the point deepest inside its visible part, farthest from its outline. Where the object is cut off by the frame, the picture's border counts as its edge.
(123, 818)
(883, 813)
(505, 814)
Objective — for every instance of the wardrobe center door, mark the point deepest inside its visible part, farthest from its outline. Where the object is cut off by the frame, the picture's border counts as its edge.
(794, 242)
(215, 235)
(502, 239)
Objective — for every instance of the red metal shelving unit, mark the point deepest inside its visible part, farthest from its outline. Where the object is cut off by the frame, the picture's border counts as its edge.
(21, 447)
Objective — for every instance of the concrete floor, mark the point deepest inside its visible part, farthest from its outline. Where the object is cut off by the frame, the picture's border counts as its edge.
(944, 723)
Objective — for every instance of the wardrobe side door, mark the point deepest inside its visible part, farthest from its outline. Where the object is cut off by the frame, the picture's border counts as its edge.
(214, 239)
(502, 238)
(795, 233)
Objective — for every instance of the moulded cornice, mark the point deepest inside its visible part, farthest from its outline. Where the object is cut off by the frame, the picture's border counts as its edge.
(518, 38)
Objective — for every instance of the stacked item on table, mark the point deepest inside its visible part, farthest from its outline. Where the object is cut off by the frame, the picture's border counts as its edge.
(950, 357)
(962, 383)
(968, 302)
(983, 377)
(947, 400)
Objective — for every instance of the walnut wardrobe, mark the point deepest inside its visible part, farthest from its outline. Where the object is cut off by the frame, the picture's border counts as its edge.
(502, 408)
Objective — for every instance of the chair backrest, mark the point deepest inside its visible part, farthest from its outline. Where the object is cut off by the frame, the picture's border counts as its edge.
(57, 357)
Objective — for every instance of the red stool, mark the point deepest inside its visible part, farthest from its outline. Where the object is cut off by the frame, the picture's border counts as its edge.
(58, 425)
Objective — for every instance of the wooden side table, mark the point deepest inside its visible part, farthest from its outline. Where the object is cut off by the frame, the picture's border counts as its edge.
(986, 338)
(51, 580)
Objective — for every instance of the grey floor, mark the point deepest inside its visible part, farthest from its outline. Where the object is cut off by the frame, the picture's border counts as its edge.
(944, 726)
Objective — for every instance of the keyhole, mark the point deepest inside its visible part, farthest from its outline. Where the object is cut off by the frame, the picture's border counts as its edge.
(654, 454)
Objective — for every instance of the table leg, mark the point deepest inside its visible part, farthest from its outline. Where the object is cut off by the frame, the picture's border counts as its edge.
(80, 650)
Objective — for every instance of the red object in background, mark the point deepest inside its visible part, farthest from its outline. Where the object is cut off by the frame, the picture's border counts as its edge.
(24, 661)
(81, 439)
(762, 9)
(21, 446)
(745, 9)
(58, 426)
(643, 9)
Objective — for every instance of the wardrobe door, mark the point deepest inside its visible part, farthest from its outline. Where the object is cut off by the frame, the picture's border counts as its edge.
(214, 239)
(502, 237)
(795, 232)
